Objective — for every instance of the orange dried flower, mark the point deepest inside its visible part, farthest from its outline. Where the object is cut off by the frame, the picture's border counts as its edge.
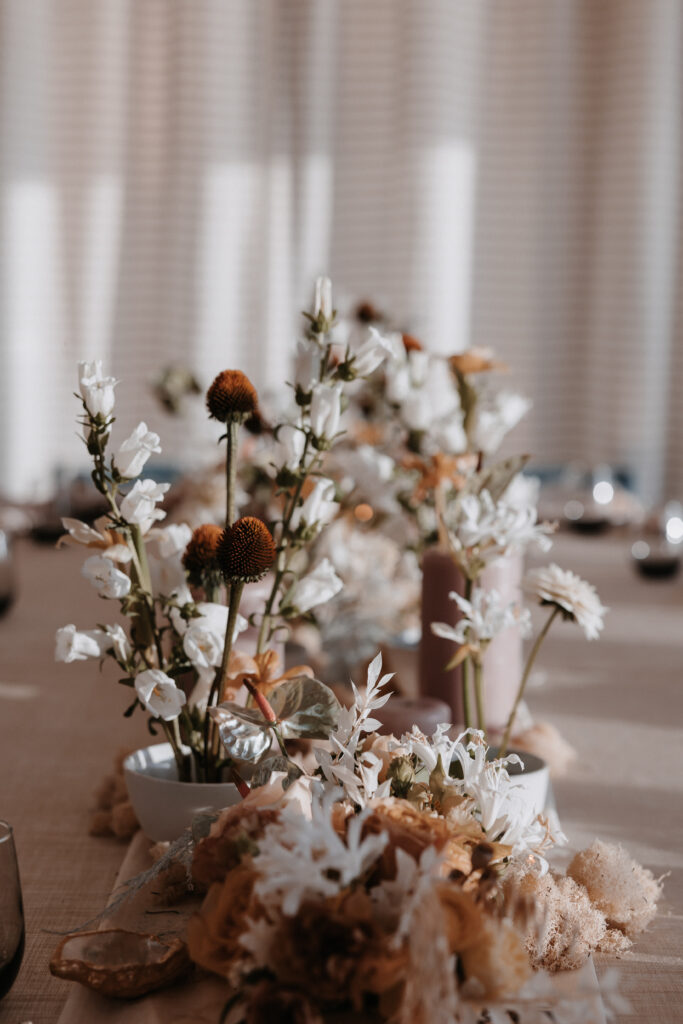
(438, 469)
(201, 552)
(475, 360)
(263, 671)
(246, 550)
(213, 935)
(411, 344)
(232, 396)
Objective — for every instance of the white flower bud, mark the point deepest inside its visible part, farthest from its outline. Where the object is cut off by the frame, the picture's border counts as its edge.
(135, 450)
(325, 410)
(323, 298)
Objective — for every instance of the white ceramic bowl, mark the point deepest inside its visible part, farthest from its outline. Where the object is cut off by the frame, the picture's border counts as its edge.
(164, 806)
(534, 778)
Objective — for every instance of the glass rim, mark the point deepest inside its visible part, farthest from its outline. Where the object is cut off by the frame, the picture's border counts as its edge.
(6, 831)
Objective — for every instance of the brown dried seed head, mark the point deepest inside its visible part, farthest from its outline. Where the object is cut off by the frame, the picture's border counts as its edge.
(200, 553)
(367, 313)
(411, 344)
(232, 396)
(246, 550)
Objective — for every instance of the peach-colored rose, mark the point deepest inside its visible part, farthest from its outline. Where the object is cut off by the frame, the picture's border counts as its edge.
(213, 934)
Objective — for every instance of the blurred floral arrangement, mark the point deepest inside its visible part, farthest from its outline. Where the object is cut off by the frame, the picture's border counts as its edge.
(402, 877)
(405, 878)
(481, 527)
(181, 589)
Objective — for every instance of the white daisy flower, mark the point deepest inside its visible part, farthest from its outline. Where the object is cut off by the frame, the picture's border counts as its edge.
(576, 599)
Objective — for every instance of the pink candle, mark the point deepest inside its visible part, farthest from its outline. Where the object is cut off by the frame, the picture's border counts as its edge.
(503, 657)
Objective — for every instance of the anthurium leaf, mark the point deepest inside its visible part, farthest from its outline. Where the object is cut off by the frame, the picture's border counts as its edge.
(265, 769)
(305, 707)
(497, 478)
(244, 732)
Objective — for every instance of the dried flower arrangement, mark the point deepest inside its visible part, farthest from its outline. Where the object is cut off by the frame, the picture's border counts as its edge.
(406, 878)
(175, 631)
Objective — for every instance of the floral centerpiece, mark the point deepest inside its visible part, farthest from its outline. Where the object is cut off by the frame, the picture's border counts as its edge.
(405, 879)
(181, 590)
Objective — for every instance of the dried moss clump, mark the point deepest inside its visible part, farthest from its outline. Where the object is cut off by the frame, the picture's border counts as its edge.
(566, 926)
(622, 889)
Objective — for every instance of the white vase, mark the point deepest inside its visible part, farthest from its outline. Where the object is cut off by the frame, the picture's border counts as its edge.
(164, 806)
(534, 777)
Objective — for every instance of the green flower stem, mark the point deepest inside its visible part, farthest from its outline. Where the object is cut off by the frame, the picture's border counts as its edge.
(148, 632)
(479, 694)
(218, 685)
(282, 560)
(281, 565)
(236, 589)
(180, 759)
(527, 670)
(466, 703)
(231, 470)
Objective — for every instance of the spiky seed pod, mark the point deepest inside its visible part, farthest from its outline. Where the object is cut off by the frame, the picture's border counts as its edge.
(232, 396)
(201, 551)
(411, 344)
(246, 550)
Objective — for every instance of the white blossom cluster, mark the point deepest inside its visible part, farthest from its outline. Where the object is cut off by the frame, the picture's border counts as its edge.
(346, 764)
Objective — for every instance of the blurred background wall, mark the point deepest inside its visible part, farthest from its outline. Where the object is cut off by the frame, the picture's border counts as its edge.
(176, 172)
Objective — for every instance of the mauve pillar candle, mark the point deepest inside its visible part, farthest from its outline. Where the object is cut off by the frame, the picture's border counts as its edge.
(439, 577)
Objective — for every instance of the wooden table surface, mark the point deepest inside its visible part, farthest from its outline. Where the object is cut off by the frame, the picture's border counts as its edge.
(619, 701)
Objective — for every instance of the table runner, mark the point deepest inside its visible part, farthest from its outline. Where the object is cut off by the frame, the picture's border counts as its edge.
(201, 1001)
(617, 701)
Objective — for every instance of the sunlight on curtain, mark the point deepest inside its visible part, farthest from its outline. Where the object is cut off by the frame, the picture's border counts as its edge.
(174, 175)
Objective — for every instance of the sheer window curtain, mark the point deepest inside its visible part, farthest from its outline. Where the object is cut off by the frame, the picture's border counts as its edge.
(176, 172)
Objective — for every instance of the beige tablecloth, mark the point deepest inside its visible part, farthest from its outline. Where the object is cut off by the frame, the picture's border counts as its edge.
(618, 701)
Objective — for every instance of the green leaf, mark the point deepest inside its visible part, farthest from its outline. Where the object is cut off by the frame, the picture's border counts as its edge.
(305, 707)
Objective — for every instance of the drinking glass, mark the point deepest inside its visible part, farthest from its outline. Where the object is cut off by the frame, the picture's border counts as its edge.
(6, 573)
(11, 911)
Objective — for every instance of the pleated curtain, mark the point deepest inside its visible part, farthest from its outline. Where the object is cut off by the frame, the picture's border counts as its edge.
(503, 172)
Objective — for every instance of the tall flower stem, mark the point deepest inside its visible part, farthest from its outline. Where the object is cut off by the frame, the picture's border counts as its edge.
(479, 694)
(236, 588)
(527, 670)
(466, 703)
(218, 685)
(140, 565)
(232, 427)
(304, 471)
(234, 594)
